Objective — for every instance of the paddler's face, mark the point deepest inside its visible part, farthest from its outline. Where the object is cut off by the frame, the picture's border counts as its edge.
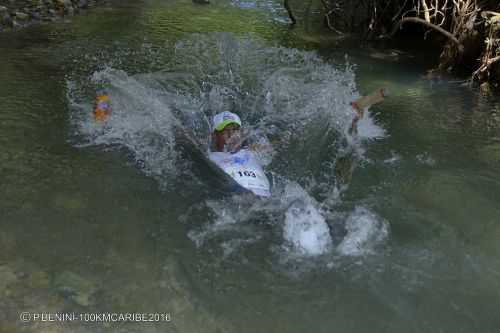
(223, 137)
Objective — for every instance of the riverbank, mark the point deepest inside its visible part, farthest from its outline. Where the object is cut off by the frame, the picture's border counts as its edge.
(466, 34)
(16, 14)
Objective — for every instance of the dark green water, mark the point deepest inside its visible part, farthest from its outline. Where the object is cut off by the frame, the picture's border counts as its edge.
(120, 219)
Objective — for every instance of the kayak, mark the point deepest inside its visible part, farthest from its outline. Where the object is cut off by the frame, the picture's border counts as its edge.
(238, 172)
(244, 167)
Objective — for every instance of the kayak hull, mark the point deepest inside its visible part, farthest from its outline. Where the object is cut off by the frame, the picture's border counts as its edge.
(244, 167)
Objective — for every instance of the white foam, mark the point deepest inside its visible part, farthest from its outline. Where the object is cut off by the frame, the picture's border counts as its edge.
(228, 215)
(365, 231)
(142, 121)
(305, 229)
(426, 159)
(395, 158)
(368, 129)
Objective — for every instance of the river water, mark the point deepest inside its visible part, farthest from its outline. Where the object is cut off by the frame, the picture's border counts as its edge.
(401, 224)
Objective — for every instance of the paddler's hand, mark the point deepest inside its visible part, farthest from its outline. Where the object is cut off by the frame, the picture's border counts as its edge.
(233, 144)
(359, 112)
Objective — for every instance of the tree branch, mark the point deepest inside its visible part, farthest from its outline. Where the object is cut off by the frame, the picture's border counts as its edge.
(327, 18)
(430, 25)
(493, 60)
(426, 11)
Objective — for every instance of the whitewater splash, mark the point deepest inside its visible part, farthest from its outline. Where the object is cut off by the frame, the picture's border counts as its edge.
(292, 212)
(365, 232)
(281, 94)
(305, 229)
(142, 121)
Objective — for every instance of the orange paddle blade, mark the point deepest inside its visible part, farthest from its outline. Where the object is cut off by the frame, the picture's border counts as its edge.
(102, 108)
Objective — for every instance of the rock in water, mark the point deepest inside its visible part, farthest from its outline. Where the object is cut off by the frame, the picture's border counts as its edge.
(6, 20)
(7, 276)
(75, 287)
(21, 17)
(83, 3)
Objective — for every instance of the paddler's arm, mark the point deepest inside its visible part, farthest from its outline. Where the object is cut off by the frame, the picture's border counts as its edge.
(238, 142)
(363, 103)
(263, 144)
(353, 130)
(260, 146)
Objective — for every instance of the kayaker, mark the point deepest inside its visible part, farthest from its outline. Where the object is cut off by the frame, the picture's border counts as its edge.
(234, 157)
(227, 137)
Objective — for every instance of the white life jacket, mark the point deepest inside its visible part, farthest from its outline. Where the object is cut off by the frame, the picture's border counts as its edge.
(245, 169)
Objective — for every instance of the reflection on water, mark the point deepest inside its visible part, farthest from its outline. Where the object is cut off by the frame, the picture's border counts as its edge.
(122, 217)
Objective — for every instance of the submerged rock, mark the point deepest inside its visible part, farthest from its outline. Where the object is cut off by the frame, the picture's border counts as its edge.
(21, 17)
(83, 3)
(6, 21)
(7, 244)
(189, 314)
(75, 287)
(63, 3)
(490, 153)
(36, 16)
(69, 202)
(38, 280)
(7, 276)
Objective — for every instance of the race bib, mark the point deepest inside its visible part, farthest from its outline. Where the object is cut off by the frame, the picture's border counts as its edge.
(244, 168)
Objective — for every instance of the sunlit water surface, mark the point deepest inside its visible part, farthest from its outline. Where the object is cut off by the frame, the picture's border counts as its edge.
(393, 230)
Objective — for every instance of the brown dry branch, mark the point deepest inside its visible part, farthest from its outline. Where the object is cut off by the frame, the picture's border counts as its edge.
(426, 11)
(490, 55)
(430, 25)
